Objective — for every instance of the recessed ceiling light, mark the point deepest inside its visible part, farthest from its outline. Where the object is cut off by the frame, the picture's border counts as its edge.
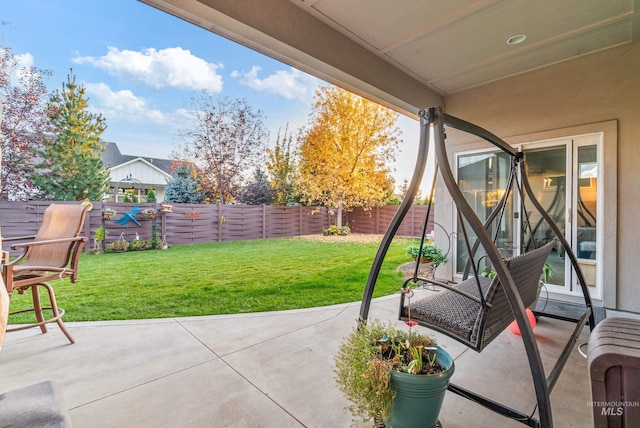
(514, 40)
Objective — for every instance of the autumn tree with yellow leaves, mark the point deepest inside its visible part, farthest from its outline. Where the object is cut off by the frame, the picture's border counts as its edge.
(345, 150)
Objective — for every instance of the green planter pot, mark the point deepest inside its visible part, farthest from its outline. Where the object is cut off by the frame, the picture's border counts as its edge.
(419, 397)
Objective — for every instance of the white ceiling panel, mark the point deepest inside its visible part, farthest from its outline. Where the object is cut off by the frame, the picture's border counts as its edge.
(410, 53)
(383, 23)
(604, 38)
(456, 44)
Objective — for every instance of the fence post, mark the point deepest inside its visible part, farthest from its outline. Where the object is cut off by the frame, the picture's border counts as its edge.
(264, 221)
(163, 227)
(219, 222)
(87, 230)
(413, 219)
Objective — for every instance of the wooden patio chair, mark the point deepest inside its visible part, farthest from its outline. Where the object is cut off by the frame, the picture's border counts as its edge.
(53, 253)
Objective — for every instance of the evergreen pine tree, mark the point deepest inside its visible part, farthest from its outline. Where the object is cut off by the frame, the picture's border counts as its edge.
(183, 187)
(72, 167)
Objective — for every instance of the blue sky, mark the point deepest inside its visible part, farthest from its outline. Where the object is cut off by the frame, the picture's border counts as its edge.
(141, 67)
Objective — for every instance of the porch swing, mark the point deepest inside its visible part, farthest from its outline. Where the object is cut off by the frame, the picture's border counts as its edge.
(476, 310)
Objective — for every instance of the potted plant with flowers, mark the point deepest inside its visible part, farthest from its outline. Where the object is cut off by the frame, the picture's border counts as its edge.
(394, 376)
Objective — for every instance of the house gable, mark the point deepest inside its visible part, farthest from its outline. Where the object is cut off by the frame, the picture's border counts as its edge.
(139, 169)
(135, 172)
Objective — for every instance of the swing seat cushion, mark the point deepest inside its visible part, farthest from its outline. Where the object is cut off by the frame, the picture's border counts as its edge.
(452, 312)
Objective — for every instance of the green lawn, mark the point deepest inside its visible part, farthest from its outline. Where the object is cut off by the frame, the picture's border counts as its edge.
(223, 278)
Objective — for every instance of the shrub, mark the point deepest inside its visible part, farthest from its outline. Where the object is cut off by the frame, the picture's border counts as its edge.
(130, 197)
(100, 234)
(151, 196)
(336, 230)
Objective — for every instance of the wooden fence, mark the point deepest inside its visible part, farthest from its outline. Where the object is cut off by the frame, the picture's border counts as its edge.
(197, 223)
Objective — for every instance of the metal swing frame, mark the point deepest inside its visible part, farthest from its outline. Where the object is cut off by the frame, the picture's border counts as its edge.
(435, 118)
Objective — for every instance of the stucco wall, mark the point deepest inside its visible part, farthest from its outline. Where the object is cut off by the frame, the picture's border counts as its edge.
(596, 88)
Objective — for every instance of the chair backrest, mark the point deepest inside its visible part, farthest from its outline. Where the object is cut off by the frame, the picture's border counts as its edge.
(59, 221)
(525, 270)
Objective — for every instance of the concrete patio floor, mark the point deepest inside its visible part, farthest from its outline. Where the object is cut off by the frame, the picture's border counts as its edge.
(263, 370)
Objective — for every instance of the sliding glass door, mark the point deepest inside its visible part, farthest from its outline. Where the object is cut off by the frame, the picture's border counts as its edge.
(564, 178)
(547, 172)
(482, 178)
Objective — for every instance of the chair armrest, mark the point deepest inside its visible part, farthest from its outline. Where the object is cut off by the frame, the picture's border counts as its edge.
(27, 245)
(18, 238)
(15, 266)
(23, 268)
(47, 242)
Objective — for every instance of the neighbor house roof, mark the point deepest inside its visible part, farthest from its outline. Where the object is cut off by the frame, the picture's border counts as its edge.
(112, 158)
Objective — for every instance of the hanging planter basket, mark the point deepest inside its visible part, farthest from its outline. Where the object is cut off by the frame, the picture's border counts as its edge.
(108, 213)
(150, 213)
(119, 246)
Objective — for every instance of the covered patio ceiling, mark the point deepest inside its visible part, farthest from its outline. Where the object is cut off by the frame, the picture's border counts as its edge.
(411, 54)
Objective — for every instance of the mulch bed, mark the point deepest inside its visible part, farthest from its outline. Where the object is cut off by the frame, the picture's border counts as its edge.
(352, 237)
(409, 268)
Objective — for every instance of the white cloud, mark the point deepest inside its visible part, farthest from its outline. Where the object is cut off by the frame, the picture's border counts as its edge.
(171, 67)
(25, 60)
(290, 84)
(19, 72)
(121, 105)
